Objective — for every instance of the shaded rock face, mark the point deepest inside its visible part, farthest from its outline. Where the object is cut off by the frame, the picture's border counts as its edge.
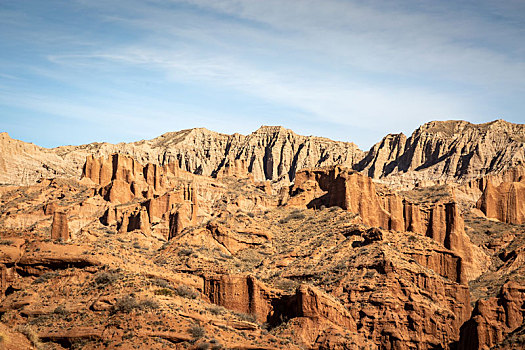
(7, 277)
(60, 228)
(314, 309)
(239, 293)
(336, 186)
(447, 150)
(445, 263)
(494, 318)
(310, 302)
(505, 202)
(402, 304)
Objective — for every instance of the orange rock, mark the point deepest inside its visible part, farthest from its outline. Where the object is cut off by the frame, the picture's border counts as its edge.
(239, 293)
(59, 227)
(337, 186)
(314, 304)
(175, 225)
(494, 318)
(50, 208)
(135, 219)
(118, 191)
(505, 202)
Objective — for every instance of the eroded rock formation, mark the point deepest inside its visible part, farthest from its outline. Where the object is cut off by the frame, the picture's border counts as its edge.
(240, 293)
(446, 151)
(505, 202)
(150, 252)
(357, 193)
(60, 227)
(494, 318)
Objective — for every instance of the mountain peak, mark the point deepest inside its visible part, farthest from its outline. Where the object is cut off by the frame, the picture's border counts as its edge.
(272, 129)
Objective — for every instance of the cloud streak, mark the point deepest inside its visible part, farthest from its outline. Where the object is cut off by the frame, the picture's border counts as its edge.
(375, 65)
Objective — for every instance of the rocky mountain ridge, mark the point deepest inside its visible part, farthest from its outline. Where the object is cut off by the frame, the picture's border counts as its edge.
(272, 153)
(437, 152)
(448, 151)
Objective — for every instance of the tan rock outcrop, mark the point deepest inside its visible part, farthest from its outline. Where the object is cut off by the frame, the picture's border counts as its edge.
(234, 168)
(269, 153)
(234, 240)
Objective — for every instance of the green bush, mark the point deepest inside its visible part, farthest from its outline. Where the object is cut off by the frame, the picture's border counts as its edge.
(128, 303)
(197, 332)
(186, 292)
(105, 278)
(164, 292)
(45, 277)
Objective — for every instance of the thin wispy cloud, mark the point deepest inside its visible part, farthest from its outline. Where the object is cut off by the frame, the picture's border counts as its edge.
(343, 69)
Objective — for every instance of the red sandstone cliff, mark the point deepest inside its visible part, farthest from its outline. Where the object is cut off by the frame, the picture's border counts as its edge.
(505, 202)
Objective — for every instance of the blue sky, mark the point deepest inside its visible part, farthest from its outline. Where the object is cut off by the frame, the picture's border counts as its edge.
(79, 71)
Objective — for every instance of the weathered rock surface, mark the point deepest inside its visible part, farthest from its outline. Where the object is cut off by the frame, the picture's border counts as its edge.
(446, 151)
(240, 293)
(395, 310)
(434, 153)
(505, 202)
(60, 227)
(474, 189)
(270, 153)
(494, 318)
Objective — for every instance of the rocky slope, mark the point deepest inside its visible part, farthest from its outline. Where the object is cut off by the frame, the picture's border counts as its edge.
(446, 151)
(270, 153)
